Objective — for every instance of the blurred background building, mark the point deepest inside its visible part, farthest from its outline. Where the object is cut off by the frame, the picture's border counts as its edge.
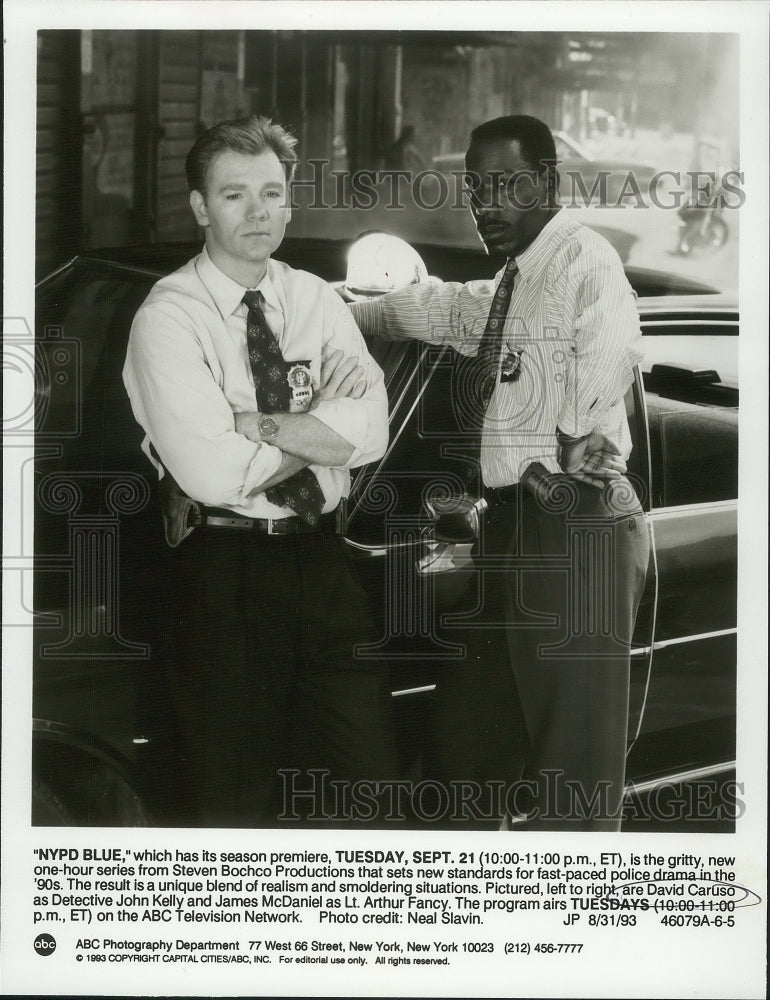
(118, 110)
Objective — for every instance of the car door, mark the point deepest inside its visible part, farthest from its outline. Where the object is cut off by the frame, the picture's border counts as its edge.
(97, 647)
(688, 719)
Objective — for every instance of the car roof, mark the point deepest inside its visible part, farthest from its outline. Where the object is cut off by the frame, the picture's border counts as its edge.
(328, 259)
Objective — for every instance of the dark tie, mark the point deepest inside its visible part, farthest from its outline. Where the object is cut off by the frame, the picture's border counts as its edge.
(492, 338)
(488, 358)
(301, 491)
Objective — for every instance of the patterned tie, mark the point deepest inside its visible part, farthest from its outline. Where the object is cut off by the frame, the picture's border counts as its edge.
(301, 491)
(488, 358)
(492, 339)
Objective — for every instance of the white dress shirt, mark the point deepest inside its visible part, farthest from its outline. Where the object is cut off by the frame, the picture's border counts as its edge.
(572, 314)
(187, 373)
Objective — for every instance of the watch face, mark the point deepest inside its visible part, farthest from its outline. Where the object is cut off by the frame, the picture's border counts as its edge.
(267, 427)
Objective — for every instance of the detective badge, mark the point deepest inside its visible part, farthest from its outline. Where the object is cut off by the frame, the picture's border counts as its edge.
(300, 379)
(510, 368)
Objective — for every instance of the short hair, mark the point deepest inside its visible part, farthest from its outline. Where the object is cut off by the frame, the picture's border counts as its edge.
(534, 137)
(253, 135)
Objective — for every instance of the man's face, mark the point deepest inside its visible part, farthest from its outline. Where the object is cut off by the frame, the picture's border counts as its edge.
(244, 213)
(507, 198)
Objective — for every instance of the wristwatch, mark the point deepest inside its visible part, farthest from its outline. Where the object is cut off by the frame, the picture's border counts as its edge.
(268, 427)
(563, 438)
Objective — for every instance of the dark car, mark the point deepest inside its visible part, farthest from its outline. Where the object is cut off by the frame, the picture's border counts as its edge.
(104, 736)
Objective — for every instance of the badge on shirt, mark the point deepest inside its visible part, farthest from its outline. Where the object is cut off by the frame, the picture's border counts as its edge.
(300, 379)
(510, 369)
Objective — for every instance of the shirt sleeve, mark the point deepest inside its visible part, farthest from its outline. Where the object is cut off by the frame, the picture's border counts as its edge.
(439, 312)
(363, 422)
(184, 413)
(606, 340)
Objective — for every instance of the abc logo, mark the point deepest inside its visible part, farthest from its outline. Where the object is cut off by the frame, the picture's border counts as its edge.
(45, 944)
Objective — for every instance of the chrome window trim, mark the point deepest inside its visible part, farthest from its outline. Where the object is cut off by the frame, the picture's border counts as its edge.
(674, 510)
(415, 690)
(680, 640)
(642, 426)
(709, 321)
(400, 430)
(694, 774)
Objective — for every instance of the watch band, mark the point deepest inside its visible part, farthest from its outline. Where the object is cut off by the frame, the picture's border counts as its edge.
(563, 438)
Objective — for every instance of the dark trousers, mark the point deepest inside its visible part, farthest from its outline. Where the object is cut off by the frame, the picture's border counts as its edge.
(266, 678)
(560, 580)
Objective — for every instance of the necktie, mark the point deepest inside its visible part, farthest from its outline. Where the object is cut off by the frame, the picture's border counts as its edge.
(492, 338)
(488, 356)
(301, 491)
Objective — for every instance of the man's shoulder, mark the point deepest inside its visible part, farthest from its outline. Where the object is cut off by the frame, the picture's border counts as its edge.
(184, 280)
(177, 301)
(306, 291)
(294, 279)
(581, 246)
(178, 291)
(573, 232)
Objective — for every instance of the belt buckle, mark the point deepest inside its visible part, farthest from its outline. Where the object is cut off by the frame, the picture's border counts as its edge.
(271, 526)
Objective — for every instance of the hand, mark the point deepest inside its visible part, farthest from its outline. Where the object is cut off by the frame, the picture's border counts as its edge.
(593, 460)
(341, 377)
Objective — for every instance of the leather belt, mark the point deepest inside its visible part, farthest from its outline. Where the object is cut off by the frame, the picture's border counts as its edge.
(496, 495)
(215, 517)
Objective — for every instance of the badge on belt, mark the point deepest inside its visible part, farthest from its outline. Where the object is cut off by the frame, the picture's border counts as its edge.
(510, 368)
(300, 379)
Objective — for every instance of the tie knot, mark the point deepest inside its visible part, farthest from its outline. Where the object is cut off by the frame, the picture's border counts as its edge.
(254, 300)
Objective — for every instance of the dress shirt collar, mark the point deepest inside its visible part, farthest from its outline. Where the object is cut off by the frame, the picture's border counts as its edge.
(539, 252)
(228, 294)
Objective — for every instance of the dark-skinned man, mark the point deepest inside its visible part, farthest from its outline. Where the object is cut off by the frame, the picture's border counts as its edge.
(556, 336)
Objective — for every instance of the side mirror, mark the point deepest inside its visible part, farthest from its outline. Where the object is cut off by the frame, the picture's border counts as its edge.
(456, 526)
(456, 518)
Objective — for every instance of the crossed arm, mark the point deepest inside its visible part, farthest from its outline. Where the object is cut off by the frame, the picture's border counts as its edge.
(174, 379)
(302, 438)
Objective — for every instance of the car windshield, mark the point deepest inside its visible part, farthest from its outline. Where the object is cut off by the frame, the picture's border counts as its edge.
(645, 127)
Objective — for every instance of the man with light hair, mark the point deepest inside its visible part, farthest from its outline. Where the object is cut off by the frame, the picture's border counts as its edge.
(257, 396)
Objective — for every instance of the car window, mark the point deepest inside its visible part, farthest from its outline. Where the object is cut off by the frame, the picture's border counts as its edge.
(693, 452)
(83, 319)
(568, 149)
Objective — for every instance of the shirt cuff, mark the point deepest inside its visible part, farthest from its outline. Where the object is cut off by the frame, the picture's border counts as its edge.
(348, 418)
(264, 464)
(368, 316)
(576, 424)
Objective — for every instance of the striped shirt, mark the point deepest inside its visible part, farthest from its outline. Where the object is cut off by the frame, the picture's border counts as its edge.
(572, 316)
